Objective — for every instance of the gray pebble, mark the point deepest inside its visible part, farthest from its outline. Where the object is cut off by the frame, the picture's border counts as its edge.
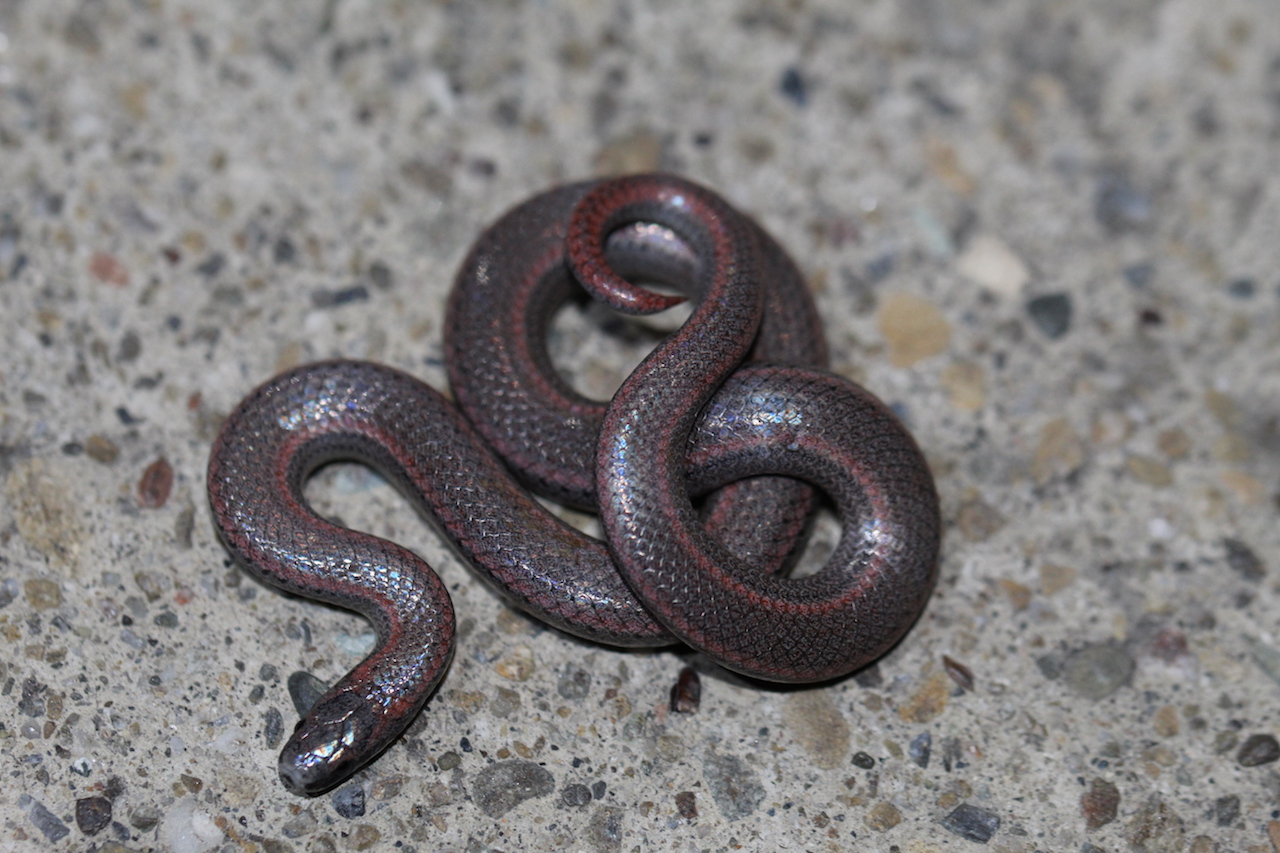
(575, 683)
(499, 788)
(43, 819)
(576, 795)
(734, 785)
(972, 823)
(1051, 313)
(349, 801)
(920, 749)
(1095, 672)
(305, 690)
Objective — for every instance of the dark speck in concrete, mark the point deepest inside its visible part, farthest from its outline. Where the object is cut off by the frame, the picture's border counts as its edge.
(1244, 560)
(272, 727)
(1120, 207)
(920, 749)
(1051, 314)
(794, 86)
(334, 298)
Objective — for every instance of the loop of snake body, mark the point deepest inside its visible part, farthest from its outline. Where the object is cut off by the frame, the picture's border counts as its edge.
(689, 422)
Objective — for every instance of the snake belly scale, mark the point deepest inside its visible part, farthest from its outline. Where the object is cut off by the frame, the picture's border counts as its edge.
(752, 441)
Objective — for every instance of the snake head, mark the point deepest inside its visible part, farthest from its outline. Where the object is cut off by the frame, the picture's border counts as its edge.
(334, 740)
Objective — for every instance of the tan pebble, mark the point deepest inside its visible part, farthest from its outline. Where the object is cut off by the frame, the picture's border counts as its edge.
(928, 701)
(882, 817)
(1060, 454)
(967, 384)
(47, 516)
(101, 449)
(1247, 489)
(42, 594)
(638, 151)
(134, 100)
(517, 664)
(1110, 428)
(913, 329)
(1019, 595)
(1225, 409)
(988, 261)
(1273, 832)
(977, 520)
(945, 163)
(1055, 578)
(1232, 448)
(108, 269)
(1174, 443)
(1166, 721)
(1153, 472)
(819, 726)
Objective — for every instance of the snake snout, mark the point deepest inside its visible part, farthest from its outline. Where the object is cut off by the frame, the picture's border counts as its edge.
(330, 744)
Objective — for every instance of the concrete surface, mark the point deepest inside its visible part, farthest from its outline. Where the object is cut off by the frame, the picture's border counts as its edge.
(1046, 232)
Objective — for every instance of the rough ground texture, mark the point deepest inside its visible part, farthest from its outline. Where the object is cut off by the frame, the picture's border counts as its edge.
(1045, 232)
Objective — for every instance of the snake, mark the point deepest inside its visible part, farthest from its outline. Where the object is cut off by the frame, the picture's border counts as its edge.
(705, 469)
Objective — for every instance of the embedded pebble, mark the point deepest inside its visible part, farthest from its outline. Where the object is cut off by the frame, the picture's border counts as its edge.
(92, 814)
(156, 483)
(863, 760)
(959, 673)
(687, 805)
(1051, 314)
(101, 449)
(272, 727)
(966, 384)
(1120, 207)
(348, 801)
(1226, 810)
(814, 720)
(499, 788)
(882, 817)
(734, 785)
(1242, 559)
(305, 690)
(1097, 671)
(972, 823)
(43, 819)
(913, 328)
(1060, 453)
(43, 594)
(988, 261)
(1150, 471)
(1099, 804)
(1257, 750)
(574, 683)
(686, 693)
(1156, 827)
(576, 795)
(920, 748)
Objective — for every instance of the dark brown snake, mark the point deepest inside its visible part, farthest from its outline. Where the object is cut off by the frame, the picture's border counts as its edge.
(690, 424)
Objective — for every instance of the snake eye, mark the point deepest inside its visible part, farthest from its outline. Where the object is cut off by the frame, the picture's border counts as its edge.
(329, 744)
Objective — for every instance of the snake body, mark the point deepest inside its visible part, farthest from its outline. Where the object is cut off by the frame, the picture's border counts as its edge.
(748, 443)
